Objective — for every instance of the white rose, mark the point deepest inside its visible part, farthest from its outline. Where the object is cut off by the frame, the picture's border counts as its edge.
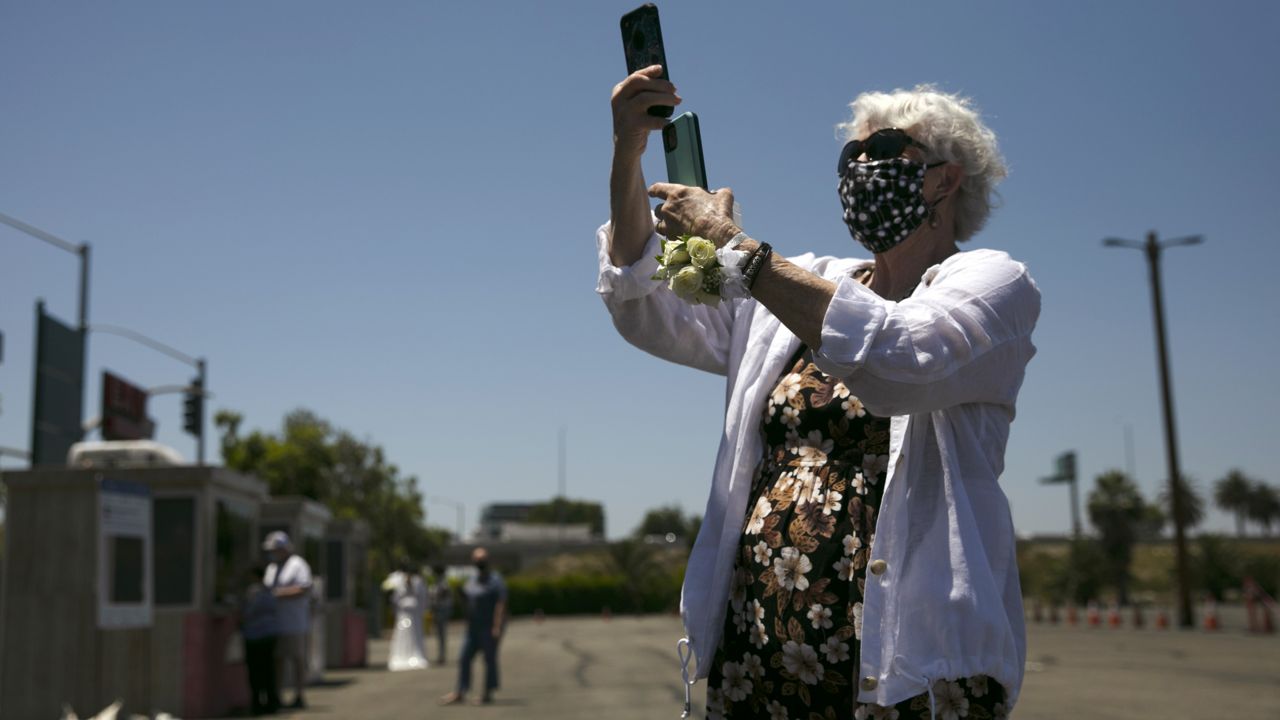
(687, 283)
(702, 252)
(674, 253)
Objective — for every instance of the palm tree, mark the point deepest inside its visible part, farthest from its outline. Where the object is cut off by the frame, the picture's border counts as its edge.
(1233, 493)
(1117, 510)
(1192, 503)
(1264, 506)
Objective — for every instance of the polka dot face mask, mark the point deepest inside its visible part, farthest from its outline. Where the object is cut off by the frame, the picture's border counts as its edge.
(883, 201)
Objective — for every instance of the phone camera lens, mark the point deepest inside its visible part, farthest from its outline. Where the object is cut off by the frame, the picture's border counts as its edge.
(669, 140)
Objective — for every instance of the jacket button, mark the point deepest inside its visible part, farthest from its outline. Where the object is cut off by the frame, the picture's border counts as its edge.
(869, 683)
(878, 567)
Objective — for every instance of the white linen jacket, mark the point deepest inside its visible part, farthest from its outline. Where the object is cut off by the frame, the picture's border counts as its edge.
(942, 598)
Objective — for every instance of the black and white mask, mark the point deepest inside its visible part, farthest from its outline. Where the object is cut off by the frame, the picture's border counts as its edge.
(884, 201)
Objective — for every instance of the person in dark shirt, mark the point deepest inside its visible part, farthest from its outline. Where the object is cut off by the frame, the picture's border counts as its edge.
(259, 626)
(486, 601)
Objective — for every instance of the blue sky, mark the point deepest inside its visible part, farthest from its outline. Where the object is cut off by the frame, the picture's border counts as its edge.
(386, 212)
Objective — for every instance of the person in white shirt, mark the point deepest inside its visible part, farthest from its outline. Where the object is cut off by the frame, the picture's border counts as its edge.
(856, 557)
(289, 578)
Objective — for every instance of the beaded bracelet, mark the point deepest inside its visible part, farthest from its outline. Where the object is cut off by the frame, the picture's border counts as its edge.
(755, 263)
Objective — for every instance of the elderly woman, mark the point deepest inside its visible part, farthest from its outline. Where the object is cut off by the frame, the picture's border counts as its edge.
(856, 558)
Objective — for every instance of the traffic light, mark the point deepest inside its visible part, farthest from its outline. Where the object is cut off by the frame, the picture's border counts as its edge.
(193, 409)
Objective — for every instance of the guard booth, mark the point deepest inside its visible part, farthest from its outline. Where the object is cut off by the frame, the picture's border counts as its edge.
(121, 584)
(347, 592)
(306, 522)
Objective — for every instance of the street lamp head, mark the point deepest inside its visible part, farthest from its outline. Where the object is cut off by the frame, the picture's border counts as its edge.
(1120, 242)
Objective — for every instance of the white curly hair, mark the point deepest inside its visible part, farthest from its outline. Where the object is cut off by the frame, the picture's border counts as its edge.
(950, 126)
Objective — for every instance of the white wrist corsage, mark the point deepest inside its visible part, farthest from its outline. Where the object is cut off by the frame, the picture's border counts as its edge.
(699, 273)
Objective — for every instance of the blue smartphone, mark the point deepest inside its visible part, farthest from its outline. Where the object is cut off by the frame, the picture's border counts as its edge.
(682, 141)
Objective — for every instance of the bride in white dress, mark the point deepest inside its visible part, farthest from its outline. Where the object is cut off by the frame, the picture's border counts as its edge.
(409, 597)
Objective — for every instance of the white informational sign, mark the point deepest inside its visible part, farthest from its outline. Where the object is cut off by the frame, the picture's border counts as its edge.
(124, 554)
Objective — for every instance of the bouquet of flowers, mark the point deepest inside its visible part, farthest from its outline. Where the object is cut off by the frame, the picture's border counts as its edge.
(699, 273)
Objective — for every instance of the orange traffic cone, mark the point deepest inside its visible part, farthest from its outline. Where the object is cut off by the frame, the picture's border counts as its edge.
(606, 614)
(1113, 617)
(1092, 616)
(1162, 619)
(1211, 615)
(1073, 617)
(1138, 622)
(538, 616)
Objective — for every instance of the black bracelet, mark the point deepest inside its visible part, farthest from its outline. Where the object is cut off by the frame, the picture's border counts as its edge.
(755, 263)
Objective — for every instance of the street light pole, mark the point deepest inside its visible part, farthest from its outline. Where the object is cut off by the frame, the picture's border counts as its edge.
(1152, 248)
(81, 250)
(457, 506)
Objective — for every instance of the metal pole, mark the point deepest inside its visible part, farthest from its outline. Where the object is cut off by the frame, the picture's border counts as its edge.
(563, 499)
(202, 367)
(35, 386)
(83, 251)
(459, 507)
(1170, 435)
(1075, 509)
(1152, 248)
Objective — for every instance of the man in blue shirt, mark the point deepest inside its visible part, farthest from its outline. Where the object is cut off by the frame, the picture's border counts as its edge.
(486, 599)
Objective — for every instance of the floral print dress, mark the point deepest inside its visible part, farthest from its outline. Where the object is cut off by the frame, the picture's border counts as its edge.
(792, 629)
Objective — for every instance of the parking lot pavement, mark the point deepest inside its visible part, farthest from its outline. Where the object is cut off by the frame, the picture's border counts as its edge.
(587, 667)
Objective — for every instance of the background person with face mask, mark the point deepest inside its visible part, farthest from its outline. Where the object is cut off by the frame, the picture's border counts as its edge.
(486, 604)
(856, 558)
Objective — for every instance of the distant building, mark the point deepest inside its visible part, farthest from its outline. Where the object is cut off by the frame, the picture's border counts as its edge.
(510, 523)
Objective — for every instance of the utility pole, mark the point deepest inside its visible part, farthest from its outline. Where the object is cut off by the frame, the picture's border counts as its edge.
(562, 505)
(459, 507)
(1152, 248)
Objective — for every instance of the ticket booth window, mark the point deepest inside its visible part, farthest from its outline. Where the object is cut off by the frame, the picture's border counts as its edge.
(173, 523)
(335, 578)
(126, 569)
(234, 552)
(313, 553)
(359, 575)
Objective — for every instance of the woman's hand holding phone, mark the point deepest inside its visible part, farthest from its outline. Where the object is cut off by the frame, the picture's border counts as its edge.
(631, 101)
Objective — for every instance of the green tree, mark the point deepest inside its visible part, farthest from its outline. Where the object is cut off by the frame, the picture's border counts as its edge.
(1119, 513)
(311, 458)
(638, 565)
(1232, 493)
(1216, 566)
(1264, 506)
(668, 519)
(571, 512)
(1192, 503)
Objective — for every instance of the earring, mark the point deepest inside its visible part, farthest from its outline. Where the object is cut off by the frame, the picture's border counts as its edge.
(933, 217)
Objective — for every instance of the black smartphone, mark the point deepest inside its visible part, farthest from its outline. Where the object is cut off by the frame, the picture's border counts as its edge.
(682, 141)
(642, 42)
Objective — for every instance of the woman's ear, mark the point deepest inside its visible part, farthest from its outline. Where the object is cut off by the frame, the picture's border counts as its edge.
(949, 181)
